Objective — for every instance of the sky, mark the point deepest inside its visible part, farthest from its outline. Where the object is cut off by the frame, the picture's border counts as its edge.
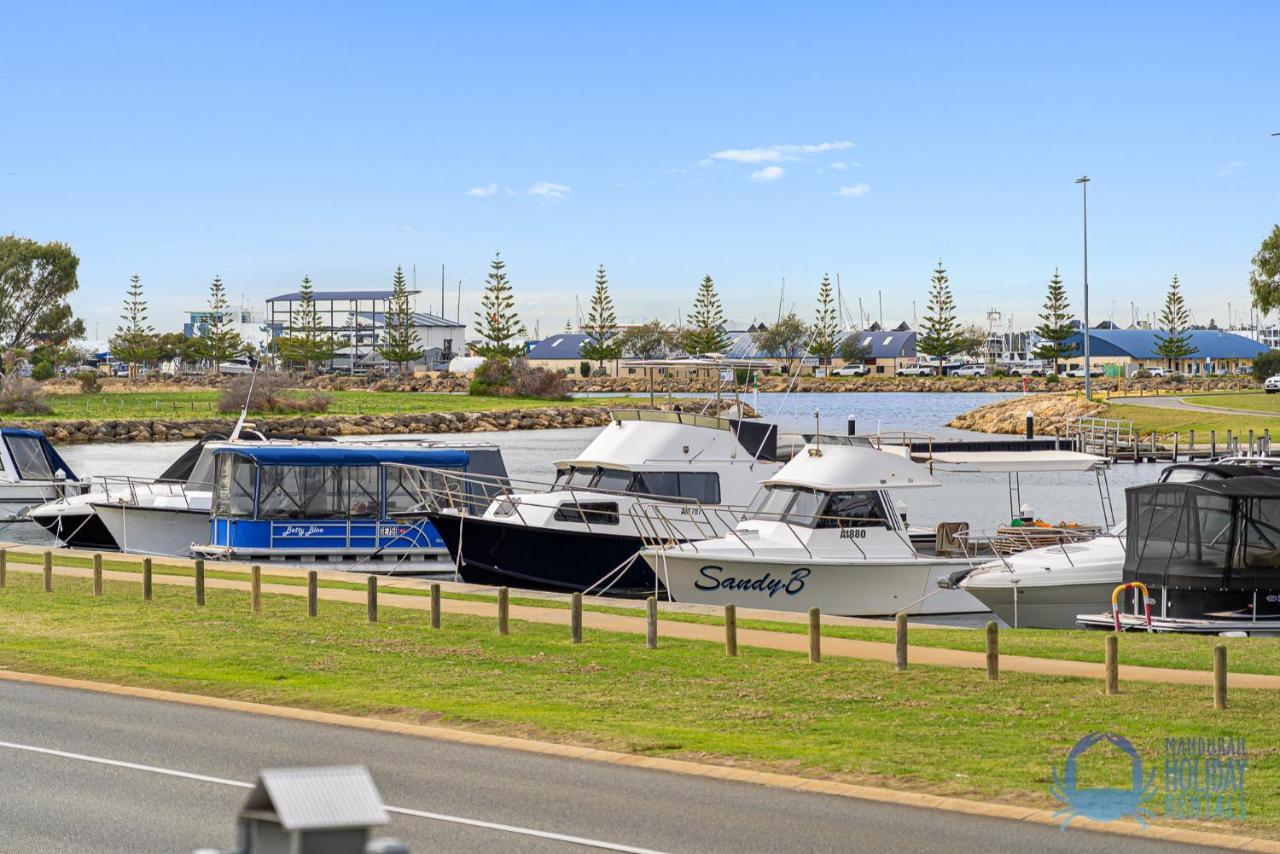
(756, 143)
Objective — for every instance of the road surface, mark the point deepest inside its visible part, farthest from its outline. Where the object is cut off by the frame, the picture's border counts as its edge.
(83, 771)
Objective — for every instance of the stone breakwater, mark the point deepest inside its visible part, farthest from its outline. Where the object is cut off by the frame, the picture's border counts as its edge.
(1053, 414)
(173, 430)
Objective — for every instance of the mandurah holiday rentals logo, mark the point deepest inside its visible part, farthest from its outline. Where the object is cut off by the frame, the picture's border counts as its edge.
(1199, 778)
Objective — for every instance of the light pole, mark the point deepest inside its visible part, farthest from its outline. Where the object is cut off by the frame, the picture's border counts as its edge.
(1083, 181)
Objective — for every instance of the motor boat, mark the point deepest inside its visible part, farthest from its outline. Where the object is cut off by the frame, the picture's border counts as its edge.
(582, 532)
(31, 473)
(1047, 587)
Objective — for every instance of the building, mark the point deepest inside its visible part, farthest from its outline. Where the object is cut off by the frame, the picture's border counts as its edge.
(1125, 351)
(249, 322)
(561, 352)
(887, 351)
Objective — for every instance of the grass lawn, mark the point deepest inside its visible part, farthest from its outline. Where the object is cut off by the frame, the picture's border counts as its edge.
(203, 404)
(1255, 401)
(1167, 421)
(931, 729)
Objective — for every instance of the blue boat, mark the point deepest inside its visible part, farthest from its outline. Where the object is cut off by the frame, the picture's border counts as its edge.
(31, 472)
(332, 503)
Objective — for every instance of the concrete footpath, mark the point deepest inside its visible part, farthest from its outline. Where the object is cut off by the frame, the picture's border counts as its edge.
(597, 621)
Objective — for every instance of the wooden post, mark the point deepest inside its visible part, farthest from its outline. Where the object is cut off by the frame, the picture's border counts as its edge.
(97, 574)
(1266, 441)
(575, 617)
(1113, 663)
(4, 566)
(199, 581)
(1250, 441)
(993, 651)
(435, 605)
(900, 638)
(1220, 676)
(651, 622)
(504, 611)
(1229, 448)
(48, 572)
(1176, 437)
(371, 598)
(313, 592)
(815, 636)
(255, 589)
(1213, 443)
(146, 579)
(730, 630)
(1192, 446)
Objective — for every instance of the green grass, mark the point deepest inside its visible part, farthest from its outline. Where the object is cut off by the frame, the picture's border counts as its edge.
(1167, 421)
(1255, 401)
(941, 730)
(203, 404)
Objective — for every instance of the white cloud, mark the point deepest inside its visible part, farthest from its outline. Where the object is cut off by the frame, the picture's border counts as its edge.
(1231, 167)
(840, 166)
(748, 155)
(483, 192)
(856, 191)
(550, 190)
(768, 173)
(775, 153)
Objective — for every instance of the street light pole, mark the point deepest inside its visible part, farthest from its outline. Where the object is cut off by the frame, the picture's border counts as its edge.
(1083, 181)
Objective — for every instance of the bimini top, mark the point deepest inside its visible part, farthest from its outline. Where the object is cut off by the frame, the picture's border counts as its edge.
(343, 455)
(34, 457)
(642, 437)
(1015, 461)
(847, 467)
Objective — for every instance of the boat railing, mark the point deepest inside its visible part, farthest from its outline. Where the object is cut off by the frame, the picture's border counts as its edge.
(127, 489)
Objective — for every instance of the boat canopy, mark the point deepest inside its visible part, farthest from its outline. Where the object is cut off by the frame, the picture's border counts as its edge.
(1014, 461)
(340, 455)
(665, 437)
(1209, 535)
(33, 455)
(850, 467)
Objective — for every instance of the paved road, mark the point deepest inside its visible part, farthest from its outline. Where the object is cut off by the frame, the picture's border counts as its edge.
(53, 802)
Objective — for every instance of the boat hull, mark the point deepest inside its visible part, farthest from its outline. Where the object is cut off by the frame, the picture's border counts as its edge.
(517, 555)
(863, 589)
(77, 527)
(1045, 607)
(158, 531)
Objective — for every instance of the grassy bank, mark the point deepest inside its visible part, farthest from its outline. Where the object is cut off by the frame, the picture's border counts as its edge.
(1254, 401)
(932, 729)
(1147, 419)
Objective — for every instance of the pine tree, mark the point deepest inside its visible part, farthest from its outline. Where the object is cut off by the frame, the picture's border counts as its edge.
(705, 333)
(603, 341)
(134, 342)
(400, 342)
(942, 335)
(1175, 342)
(1055, 325)
(826, 325)
(306, 342)
(498, 324)
(568, 325)
(219, 340)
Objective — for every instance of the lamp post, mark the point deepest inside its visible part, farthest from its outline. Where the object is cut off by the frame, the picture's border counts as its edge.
(1083, 181)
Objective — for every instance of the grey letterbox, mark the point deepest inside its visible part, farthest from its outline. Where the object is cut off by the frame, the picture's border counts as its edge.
(311, 811)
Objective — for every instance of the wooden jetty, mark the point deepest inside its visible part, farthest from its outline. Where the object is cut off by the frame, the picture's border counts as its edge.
(1118, 441)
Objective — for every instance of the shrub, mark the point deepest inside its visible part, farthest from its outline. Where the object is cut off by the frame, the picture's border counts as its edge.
(1051, 379)
(1142, 374)
(273, 391)
(21, 396)
(89, 382)
(42, 371)
(1266, 365)
(503, 377)
(585, 369)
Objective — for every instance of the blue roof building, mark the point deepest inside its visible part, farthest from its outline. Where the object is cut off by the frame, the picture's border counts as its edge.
(1216, 351)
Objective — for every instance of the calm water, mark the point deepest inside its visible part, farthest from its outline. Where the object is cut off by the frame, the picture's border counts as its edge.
(982, 500)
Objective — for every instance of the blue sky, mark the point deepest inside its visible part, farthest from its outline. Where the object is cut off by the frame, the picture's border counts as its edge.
(664, 140)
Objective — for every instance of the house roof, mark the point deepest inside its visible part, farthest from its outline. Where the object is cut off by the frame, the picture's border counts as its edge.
(420, 318)
(566, 345)
(336, 296)
(887, 345)
(318, 798)
(1142, 344)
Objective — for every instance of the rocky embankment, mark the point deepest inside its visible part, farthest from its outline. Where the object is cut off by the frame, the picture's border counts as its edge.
(1053, 413)
(172, 430)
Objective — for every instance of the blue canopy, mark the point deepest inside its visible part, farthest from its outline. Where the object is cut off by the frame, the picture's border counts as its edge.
(56, 462)
(338, 455)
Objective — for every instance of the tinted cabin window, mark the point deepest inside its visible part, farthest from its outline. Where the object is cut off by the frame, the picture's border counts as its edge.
(588, 512)
(233, 495)
(612, 480)
(703, 487)
(853, 510)
(804, 508)
(28, 456)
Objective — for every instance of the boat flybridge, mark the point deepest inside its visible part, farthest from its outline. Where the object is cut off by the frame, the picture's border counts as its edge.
(31, 473)
(581, 532)
(824, 533)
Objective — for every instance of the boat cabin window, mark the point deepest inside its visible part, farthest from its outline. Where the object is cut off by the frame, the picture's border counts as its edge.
(235, 487)
(861, 509)
(406, 489)
(201, 476)
(588, 512)
(318, 492)
(786, 504)
(28, 457)
(612, 480)
(1260, 559)
(814, 508)
(700, 486)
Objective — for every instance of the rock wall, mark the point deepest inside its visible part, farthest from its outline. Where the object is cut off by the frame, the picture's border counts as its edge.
(1053, 414)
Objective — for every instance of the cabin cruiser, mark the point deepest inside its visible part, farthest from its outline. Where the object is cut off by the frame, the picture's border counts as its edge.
(582, 532)
(1047, 587)
(31, 472)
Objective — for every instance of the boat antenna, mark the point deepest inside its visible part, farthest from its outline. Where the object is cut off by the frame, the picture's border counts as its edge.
(244, 410)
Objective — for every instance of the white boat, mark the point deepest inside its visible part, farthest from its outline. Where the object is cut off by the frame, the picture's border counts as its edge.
(31, 473)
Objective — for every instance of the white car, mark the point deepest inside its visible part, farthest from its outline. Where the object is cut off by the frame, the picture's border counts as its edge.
(1078, 373)
(1157, 372)
(970, 371)
(851, 371)
(917, 371)
(1272, 384)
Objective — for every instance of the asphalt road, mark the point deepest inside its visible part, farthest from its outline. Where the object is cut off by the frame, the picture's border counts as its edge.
(57, 795)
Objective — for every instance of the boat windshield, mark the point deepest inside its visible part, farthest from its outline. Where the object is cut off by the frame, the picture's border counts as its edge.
(201, 477)
(29, 457)
(814, 508)
(700, 486)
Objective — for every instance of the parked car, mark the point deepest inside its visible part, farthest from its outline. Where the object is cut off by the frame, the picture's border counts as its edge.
(1272, 384)
(851, 371)
(1027, 371)
(1078, 373)
(1157, 372)
(917, 371)
(970, 371)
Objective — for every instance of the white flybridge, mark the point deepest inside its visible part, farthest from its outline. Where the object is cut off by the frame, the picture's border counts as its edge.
(824, 533)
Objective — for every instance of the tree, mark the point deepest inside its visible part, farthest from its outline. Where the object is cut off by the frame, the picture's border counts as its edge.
(784, 340)
(306, 342)
(853, 351)
(1174, 344)
(218, 341)
(942, 334)
(400, 342)
(35, 281)
(826, 325)
(650, 340)
(705, 333)
(1055, 325)
(135, 341)
(498, 324)
(602, 324)
(971, 341)
(1264, 278)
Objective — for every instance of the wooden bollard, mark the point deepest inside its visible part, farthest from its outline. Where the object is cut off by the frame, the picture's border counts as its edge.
(575, 617)
(730, 630)
(1192, 443)
(504, 611)
(313, 592)
(146, 578)
(1213, 443)
(900, 638)
(255, 588)
(1220, 676)
(199, 581)
(435, 605)
(4, 567)
(371, 598)
(97, 574)
(993, 651)
(1250, 441)
(651, 622)
(815, 636)
(1113, 664)
(48, 572)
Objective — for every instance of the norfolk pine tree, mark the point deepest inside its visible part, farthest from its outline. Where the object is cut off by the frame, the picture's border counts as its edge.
(134, 342)
(219, 341)
(400, 342)
(1055, 325)
(704, 334)
(1174, 343)
(941, 335)
(603, 342)
(306, 341)
(826, 326)
(497, 321)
